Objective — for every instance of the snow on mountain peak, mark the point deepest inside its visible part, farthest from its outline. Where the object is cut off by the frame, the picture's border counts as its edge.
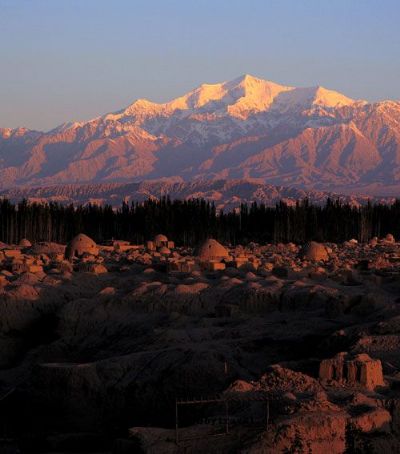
(255, 95)
(67, 126)
(302, 99)
(331, 98)
(250, 84)
(238, 98)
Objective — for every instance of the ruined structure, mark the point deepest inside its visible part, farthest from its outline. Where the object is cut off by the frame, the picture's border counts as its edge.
(352, 370)
(79, 246)
(25, 243)
(160, 240)
(258, 300)
(212, 250)
(314, 251)
(389, 238)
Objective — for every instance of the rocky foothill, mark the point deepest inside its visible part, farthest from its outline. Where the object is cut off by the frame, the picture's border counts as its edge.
(155, 348)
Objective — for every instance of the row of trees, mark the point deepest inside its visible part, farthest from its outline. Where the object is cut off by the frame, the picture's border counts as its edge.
(189, 222)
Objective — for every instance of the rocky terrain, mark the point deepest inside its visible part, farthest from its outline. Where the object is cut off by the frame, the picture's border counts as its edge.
(245, 128)
(275, 347)
(226, 194)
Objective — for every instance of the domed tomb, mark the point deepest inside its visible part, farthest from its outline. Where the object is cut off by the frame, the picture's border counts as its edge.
(160, 240)
(212, 250)
(79, 246)
(25, 243)
(314, 251)
(389, 238)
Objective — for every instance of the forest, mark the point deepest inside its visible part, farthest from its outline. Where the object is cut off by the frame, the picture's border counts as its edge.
(188, 222)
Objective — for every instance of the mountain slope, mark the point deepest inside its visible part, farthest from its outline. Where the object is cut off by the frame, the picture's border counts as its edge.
(245, 128)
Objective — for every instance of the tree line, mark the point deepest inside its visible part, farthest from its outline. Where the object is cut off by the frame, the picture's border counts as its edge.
(188, 222)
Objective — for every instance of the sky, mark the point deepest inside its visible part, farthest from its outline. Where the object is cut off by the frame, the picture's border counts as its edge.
(64, 60)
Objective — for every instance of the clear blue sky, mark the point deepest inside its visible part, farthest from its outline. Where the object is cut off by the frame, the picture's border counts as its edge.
(75, 59)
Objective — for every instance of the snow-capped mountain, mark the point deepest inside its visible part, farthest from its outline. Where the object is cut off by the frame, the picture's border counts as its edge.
(244, 128)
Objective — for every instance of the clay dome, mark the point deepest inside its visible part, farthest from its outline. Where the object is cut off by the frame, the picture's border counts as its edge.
(160, 238)
(80, 245)
(25, 243)
(314, 251)
(373, 241)
(389, 238)
(212, 250)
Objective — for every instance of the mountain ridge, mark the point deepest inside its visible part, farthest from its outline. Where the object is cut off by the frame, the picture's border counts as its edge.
(311, 138)
(226, 194)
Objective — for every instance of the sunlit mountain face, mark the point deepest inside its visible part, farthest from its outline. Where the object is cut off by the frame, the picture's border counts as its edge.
(311, 138)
